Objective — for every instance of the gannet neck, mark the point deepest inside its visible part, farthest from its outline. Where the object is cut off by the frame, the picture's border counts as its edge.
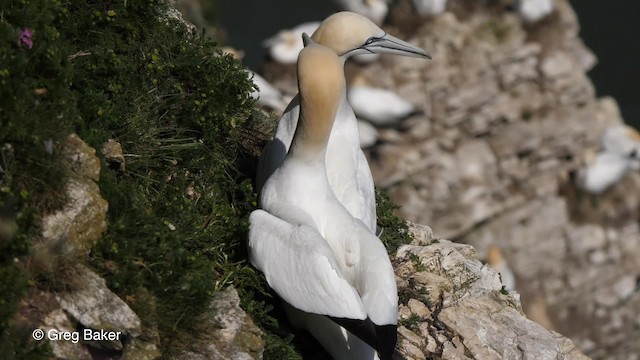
(320, 84)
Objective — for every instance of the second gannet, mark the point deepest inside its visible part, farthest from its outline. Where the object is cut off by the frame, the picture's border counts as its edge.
(318, 258)
(347, 34)
(381, 107)
(496, 260)
(620, 153)
(286, 44)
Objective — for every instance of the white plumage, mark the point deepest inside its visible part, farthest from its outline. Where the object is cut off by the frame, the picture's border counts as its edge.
(620, 153)
(381, 107)
(313, 252)
(349, 174)
(286, 44)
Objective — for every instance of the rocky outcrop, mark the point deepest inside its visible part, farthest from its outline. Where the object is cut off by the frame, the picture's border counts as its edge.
(225, 332)
(454, 307)
(82, 221)
(510, 118)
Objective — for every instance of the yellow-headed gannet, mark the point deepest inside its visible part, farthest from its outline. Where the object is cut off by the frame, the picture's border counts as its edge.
(286, 44)
(496, 260)
(620, 153)
(381, 107)
(534, 10)
(375, 10)
(347, 34)
(316, 256)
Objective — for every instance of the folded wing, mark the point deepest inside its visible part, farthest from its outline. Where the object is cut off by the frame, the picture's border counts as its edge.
(300, 266)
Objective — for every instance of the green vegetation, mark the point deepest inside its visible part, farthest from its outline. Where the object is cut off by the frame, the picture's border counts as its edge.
(177, 217)
(395, 230)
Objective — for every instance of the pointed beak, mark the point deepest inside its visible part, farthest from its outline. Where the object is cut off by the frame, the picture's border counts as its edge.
(388, 44)
(306, 40)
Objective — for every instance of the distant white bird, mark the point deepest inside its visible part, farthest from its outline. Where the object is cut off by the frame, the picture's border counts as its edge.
(349, 174)
(620, 153)
(429, 7)
(368, 134)
(319, 258)
(381, 107)
(374, 10)
(286, 44)
(534, 10)
(267, 95)
(496, 260)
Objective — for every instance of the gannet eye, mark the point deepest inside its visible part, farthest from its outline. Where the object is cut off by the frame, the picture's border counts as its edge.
(370, 40)
(633, 154)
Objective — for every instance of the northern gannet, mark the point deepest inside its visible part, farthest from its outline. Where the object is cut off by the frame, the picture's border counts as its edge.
(286, 44)
(620, 153)
(534, 10)
(375, 10)
(347, 34)
(318, 258)
(496, 260)
(381, 107)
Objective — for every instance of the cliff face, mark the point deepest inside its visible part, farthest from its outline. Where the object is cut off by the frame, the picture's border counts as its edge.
(510, 116)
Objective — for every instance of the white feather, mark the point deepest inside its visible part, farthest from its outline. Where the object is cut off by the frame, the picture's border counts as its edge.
(368, 134)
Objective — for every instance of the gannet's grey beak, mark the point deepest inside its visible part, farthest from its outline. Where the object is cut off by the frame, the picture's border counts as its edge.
(389, 44)
(306, 40)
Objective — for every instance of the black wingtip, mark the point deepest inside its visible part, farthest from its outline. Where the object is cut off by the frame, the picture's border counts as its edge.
(383, 338)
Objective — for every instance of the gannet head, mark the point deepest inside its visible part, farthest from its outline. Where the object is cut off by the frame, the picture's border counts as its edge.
(320, 84)
(349, 34)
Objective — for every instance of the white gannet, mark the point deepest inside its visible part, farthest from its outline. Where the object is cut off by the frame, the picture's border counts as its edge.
(375, 10)
(496, 260)
(350, 177)
(534, 10)
(381, 107)
(368, 134)
(286, 44)
(318, 258)
(620, 153)
(429, 7)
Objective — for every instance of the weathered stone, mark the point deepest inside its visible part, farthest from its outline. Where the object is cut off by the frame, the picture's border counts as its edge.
(57, 322)
(470, 317)
(82, 221)
(226, 332)
(94, 306)
(112, 152)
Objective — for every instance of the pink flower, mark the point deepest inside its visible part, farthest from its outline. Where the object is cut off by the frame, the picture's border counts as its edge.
(25, 38)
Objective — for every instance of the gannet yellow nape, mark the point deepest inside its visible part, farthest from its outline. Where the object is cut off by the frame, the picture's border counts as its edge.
(347, 168)
(321, 260)
(351, 34)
